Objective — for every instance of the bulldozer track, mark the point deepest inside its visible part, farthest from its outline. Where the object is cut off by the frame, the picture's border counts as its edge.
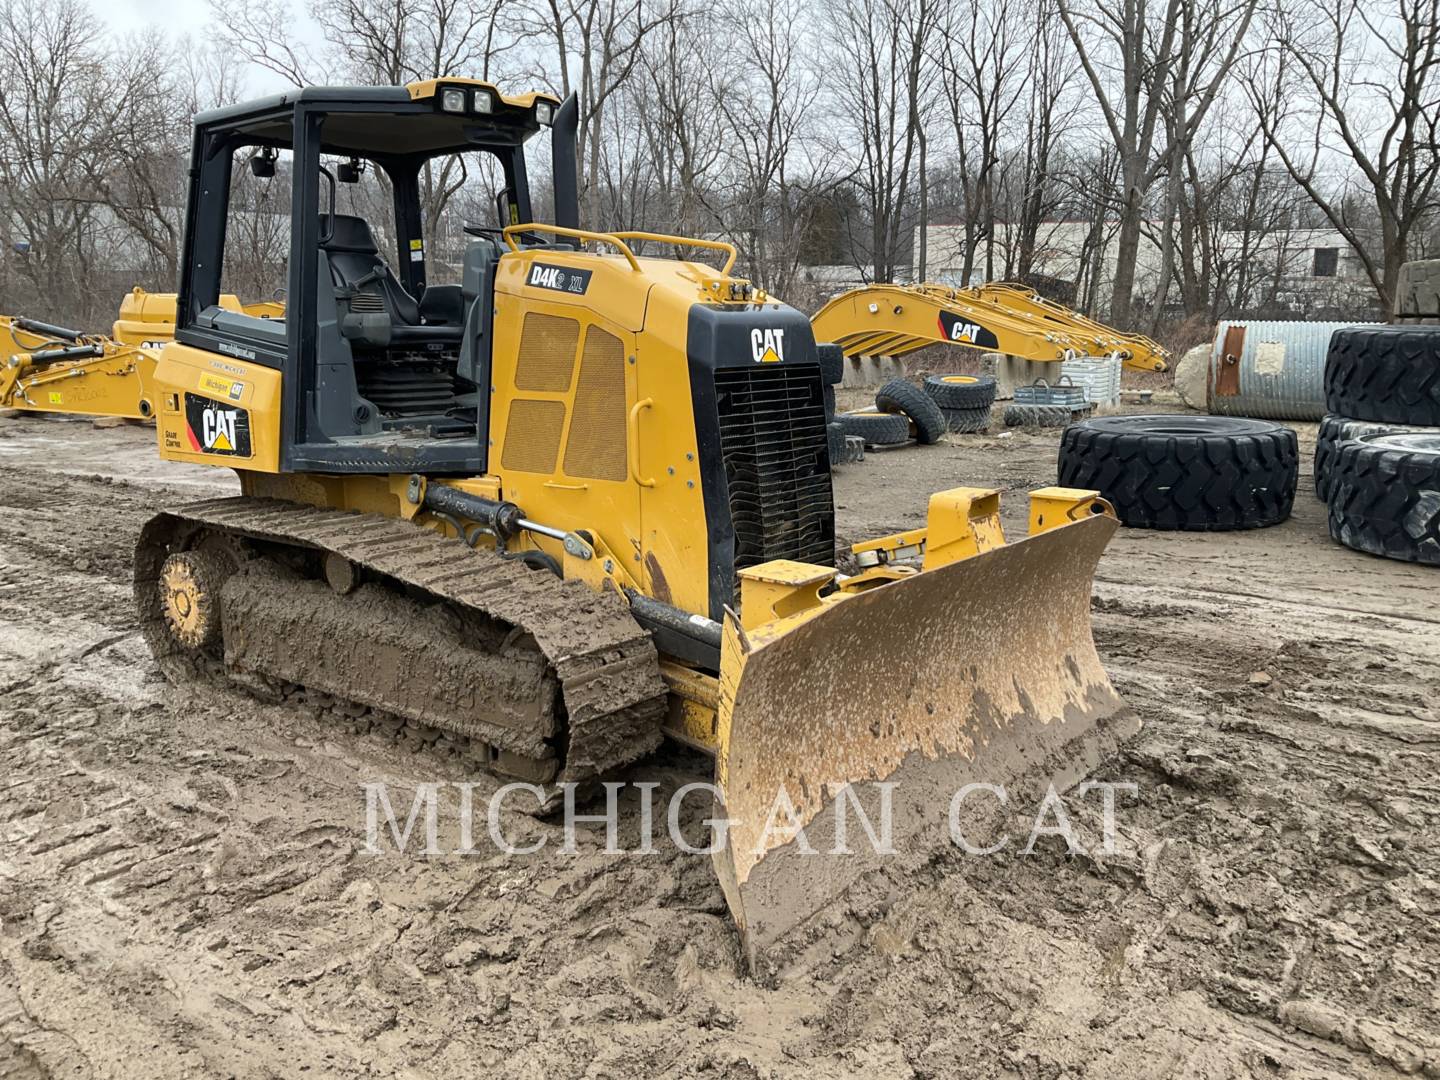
(604, 663)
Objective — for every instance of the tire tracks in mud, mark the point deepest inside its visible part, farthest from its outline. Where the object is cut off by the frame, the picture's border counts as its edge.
(207, 908)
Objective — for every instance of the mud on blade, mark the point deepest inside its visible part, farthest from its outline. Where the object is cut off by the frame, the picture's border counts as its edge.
(982, 671)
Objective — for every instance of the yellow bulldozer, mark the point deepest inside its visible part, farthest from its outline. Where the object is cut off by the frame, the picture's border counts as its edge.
(580, 500)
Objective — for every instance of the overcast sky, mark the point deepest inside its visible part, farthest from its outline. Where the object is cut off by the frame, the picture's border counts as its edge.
(191, 18)
(176, 17)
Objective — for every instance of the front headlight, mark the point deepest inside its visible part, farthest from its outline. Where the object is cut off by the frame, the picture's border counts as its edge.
(484, 102)
(453, 101)
(545, 113)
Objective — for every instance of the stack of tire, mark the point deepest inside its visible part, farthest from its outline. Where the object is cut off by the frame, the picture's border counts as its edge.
(1377, 455)
(832, 372)
(1190, 473)
(902, 412)
(964, 400)
(1043, 416)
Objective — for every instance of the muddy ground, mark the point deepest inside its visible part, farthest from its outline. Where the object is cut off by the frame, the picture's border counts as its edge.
(183, 890)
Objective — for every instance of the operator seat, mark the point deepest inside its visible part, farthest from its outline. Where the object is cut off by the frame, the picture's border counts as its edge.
(367, 287)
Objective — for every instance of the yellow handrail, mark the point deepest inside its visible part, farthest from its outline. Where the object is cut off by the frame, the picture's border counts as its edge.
(617, 241)
(687, 241)
(511, 231)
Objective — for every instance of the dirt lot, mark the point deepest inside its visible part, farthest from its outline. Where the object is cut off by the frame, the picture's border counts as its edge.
(183, 891)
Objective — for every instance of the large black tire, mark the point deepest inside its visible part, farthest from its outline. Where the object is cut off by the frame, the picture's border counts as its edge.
(961, 391)
(1042, 416)
(836, 434)
(967, 421)
(829, 403)
(1196, 473)
(902, 396)
(1390, 374)
(1335, 430)
(832, 363)
(877, 429)
(1385, 496)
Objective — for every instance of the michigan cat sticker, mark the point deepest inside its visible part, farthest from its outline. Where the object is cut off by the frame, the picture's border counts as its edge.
(213, 427)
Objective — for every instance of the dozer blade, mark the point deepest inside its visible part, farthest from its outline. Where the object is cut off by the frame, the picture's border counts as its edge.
(980, 671)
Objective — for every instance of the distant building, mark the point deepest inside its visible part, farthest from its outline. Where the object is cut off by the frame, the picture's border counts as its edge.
(831, 278)
(1300, 272)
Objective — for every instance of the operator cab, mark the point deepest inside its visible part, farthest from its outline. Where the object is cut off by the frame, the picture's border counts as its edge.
(384, 345)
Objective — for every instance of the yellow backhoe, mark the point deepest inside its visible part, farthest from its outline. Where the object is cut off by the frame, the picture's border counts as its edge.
(580, 499)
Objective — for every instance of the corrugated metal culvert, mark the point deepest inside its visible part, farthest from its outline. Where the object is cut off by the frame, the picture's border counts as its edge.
(1271, 370)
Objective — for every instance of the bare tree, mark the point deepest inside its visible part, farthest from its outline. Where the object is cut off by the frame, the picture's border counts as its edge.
(683, 144)
(1138, 57)
(1359, 81)
(981, 71)
(881, 79)
(1032, 190)
(64, 93)
(775, 186)
(261, 32)
(596, 45)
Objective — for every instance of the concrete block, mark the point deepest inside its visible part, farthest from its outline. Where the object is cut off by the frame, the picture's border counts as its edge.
(1417, 293)
(871, 371)
(1192, 377)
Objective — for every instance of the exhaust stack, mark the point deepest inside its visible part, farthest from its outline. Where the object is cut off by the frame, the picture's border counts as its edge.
(563, 161)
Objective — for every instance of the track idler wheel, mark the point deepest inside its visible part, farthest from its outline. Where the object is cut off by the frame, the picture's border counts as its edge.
(189, 586)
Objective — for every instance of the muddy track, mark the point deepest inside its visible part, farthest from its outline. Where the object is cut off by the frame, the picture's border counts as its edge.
(604, 663)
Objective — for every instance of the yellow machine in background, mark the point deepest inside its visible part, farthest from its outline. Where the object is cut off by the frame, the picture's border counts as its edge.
(581, 499)
(892, 320)
(148, 318)
(50, 369)
(46, 368)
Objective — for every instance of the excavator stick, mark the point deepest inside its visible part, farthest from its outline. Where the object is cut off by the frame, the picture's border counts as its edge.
(892, 320)
(978, 671)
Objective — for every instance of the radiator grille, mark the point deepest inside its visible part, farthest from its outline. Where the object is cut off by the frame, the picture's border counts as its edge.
(532, 435)
(547, 353)
(596, 447)
(775, 451)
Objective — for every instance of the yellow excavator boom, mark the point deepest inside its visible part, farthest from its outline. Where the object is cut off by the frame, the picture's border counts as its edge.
(149, 318)
(892, 320)
(46, 368)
